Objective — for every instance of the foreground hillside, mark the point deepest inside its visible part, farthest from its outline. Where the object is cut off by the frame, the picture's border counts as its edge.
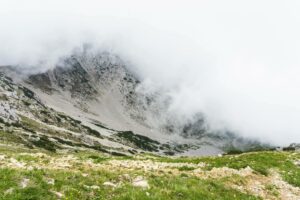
(40, 174)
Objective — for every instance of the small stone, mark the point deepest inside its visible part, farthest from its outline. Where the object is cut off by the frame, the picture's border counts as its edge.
(297, 163)
(95, 187)
(201, 164)
(9, 191)
(58, 194)
(16, 163)
(2, 157)
(110, 184)
(50, 181)
(125, 177)
(24, 183)
(140, 182)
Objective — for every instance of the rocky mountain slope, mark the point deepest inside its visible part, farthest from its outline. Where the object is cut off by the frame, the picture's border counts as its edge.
(93, 100)
(88, 130)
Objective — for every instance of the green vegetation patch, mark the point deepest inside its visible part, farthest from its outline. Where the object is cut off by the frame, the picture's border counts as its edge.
(139, 141)
(45, 143)
(75, 185)
(98, 159)
(261, 162)
(186, 168)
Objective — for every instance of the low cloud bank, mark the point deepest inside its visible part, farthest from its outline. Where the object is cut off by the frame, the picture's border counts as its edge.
(236, 62)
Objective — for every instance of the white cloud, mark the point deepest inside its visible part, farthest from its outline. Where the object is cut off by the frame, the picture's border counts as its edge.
(237, 61)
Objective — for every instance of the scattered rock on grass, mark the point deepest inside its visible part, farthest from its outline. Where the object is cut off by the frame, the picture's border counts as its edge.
(24, 183)
(50, 181)
(58, 194)
(125, 177)
(110, 184)
(140, 182)
(9, 191)
(297, 163)
(93, 187)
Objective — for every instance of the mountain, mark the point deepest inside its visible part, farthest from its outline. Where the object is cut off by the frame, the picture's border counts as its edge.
(95, 101)
(89, 128)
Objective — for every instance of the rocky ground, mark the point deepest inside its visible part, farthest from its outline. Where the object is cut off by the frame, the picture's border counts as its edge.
(26, 120)
(35, 174)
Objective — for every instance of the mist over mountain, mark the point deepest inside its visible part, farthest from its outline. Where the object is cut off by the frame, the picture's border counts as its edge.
(234, 66)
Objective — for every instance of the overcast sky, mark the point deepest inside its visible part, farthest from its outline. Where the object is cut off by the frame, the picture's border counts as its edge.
(236, 61)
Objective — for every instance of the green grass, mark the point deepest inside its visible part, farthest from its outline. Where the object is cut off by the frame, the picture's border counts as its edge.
(74, 186)
(26, 158)
(261, 162)
(272, 189)
(74, 183)
(10, 137)
(186, 168)
(98, 159)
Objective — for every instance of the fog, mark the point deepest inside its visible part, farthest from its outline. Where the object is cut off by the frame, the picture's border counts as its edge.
(235, 61)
